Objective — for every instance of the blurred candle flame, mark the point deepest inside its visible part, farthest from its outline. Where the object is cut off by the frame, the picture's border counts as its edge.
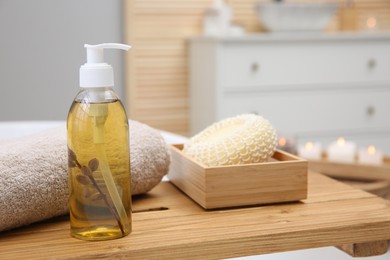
(282, 141)
(371, 149)
(341, 141)
(309, 145)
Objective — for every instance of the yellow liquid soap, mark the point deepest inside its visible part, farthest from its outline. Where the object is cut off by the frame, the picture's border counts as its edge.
(99, 170)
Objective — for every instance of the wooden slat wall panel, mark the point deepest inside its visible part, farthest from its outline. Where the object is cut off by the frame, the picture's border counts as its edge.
(157, 69)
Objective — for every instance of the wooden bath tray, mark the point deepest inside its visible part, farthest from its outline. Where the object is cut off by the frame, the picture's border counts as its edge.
(354, 171)
(169, 225)
(371, 178)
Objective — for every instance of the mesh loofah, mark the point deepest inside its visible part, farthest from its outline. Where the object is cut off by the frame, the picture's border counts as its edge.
(242, 139)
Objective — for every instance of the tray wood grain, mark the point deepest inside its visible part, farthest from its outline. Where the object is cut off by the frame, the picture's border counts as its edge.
(371, 178)
(169, 225)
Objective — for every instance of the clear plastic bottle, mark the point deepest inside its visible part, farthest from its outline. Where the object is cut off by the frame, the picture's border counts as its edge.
(98, 156)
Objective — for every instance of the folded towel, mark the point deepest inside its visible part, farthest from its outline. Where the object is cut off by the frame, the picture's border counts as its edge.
(149, 157)
(34, 180)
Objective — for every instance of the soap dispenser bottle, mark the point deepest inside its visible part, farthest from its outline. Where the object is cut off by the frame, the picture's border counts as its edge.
(98, 153)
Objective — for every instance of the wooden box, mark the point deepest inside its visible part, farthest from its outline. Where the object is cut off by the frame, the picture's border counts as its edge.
(282, 179)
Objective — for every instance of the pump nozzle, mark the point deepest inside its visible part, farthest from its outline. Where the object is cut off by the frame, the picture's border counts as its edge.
(97, 73)
(95, 53)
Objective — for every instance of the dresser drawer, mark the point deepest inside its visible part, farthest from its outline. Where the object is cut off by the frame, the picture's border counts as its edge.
(307, 64)
(315, 111)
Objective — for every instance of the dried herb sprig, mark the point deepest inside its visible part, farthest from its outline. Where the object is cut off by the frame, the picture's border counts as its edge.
(87, 176)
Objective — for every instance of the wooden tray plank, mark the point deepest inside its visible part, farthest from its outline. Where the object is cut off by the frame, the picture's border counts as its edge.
(353, 171)
(185, 230)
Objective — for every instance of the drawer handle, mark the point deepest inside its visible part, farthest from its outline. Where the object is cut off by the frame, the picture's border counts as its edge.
(371, 63)
(255, 67)
(370, 110)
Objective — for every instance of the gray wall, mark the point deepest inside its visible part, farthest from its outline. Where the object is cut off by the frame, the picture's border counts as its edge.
(41, 50)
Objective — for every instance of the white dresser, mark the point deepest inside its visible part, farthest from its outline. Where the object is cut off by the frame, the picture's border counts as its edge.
(309, 86)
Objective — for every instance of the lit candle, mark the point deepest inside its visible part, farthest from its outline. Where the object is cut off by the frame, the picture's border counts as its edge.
(287, 144)
(342, 151)
(311, 151)
(282, 141)
(370, 155)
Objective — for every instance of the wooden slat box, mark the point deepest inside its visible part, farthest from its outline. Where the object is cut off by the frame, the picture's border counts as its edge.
(282, 179)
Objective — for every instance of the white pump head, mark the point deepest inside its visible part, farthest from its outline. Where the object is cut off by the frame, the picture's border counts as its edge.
(97, 73)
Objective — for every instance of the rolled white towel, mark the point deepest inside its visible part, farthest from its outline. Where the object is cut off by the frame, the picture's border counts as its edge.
(34, 172)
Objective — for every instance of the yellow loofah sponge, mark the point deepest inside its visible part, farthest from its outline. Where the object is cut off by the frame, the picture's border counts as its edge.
(242, 139)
